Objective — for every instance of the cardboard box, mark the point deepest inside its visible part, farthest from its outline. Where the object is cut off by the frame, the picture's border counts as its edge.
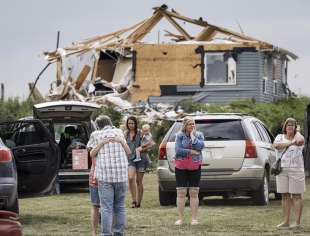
(79, 159)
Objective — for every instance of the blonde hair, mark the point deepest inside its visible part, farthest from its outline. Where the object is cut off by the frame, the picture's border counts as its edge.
(146, 126)
(289, 120)
(186, 121)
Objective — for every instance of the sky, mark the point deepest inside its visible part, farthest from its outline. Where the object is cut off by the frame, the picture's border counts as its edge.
(29, 27)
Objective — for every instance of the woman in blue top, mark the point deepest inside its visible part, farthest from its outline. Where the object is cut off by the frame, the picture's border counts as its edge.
(188, 146)
(136, 169)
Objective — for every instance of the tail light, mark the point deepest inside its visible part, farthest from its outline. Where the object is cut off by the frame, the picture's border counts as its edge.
(250, 149)
(162, 151)
(5, 155)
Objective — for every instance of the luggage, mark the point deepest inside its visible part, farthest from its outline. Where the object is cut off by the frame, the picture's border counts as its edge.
(9, 224)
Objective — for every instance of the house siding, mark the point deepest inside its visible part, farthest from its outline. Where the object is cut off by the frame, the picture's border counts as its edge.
(274, 73)
(247, 82)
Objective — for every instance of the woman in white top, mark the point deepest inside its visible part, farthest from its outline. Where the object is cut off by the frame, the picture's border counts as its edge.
(291, 181)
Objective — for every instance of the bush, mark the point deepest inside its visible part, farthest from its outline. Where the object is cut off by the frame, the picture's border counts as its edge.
(13, 109)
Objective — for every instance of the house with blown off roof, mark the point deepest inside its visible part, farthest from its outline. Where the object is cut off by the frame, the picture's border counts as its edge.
(216, 65)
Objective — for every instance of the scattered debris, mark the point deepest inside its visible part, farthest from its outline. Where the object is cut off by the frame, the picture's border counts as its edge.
(115, 69)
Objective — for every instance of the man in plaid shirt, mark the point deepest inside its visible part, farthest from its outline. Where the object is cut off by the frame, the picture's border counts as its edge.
(108, 146)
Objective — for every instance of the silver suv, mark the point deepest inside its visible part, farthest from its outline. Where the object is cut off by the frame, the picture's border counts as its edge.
(237, 158)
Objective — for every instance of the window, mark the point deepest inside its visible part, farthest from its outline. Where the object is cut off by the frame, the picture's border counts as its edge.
(264, 84)
(216, 129)
(284, 71)
(262, 132)
(220, 68)
(275, 87)
(265, 67)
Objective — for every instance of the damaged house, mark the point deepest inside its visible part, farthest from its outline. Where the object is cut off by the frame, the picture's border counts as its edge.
(216, 65)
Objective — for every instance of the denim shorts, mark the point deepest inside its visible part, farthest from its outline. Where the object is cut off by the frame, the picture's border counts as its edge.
(187, 178)
(139, 166)
(94, 196)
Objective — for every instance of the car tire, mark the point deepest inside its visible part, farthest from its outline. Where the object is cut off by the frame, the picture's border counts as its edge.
(15, 206)
(167, 198)
(277, 196)
(261, 196)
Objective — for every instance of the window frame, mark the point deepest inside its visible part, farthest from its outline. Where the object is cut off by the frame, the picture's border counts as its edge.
(227, 72)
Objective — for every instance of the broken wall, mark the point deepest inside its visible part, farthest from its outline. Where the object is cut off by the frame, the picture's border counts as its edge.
(164, 65)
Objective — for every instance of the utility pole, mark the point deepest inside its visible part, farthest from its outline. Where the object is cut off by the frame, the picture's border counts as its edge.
(2, 92)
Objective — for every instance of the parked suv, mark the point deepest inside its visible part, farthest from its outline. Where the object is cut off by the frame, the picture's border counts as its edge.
(237, 158)
(70, 123)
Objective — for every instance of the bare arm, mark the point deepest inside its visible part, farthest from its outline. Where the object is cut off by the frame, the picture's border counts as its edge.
(93, 153)
(124, 145)
(282, 145)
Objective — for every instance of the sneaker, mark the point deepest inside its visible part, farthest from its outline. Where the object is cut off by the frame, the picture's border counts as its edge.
(179, 222)
(296, 227)
(194, 222)
(283, 226)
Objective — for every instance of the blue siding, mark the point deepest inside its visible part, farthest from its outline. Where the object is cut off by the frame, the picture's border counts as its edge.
(274, 73)
(249, 84)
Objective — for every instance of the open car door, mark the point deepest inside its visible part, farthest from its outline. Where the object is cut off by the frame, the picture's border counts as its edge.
(35, 152)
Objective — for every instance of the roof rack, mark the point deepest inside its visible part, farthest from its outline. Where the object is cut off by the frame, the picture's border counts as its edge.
(215, 113)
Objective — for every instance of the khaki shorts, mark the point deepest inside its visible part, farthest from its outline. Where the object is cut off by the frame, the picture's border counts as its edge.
(291, 181)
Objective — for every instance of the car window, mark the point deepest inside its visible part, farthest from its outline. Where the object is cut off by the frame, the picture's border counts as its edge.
(267, 135)
(29, 133)
(262, 132)
(258, 136)
(215, 129)
(176, 128)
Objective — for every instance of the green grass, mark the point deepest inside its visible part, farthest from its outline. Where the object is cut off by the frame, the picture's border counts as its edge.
(69, 214)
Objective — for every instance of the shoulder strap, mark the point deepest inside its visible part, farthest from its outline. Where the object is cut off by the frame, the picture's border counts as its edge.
(283, 152)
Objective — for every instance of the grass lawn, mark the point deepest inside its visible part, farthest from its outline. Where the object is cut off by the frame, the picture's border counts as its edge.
(69, 214)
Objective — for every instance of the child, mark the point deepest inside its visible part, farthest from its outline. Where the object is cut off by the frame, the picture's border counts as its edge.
(146, 141)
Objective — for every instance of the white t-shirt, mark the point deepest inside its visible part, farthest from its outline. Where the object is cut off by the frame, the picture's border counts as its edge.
(292, 157)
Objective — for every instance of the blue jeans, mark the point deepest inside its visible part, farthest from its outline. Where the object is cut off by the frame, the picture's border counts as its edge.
(112, 201)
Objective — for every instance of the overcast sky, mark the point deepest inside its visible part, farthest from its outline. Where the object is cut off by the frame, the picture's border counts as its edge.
(29, 27)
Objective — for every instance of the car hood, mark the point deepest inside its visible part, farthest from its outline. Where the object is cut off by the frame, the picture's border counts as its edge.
(64, 110)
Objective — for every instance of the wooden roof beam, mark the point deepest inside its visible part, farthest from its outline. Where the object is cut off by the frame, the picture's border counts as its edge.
(145, 28)
(187, 19)
(206, 34)
(177, 26)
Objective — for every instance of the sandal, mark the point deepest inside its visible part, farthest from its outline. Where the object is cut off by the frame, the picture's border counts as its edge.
(194, 222)
(179, 222)
(134, 204)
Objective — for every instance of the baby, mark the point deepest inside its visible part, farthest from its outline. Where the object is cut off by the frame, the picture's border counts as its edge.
(146, 141)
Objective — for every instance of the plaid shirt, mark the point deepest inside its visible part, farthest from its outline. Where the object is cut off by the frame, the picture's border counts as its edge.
(111, 160)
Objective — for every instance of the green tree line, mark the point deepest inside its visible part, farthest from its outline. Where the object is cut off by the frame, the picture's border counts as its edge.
(272, 114)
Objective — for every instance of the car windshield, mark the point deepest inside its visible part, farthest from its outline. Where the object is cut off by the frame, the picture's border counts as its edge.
(214, 129)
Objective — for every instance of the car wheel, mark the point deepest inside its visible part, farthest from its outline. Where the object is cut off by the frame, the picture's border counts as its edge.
(15, 206)
(167, 198)
(277, 196)
(261, 196)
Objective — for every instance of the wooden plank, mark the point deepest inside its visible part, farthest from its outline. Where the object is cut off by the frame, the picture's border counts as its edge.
(82, 77)
(178, 27)
(206, 34)
(187, 19)
(164, 65)
(145, 28)
(59, 70)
